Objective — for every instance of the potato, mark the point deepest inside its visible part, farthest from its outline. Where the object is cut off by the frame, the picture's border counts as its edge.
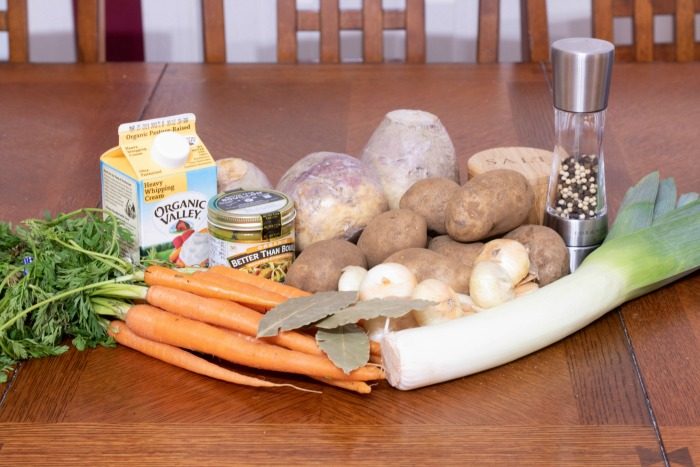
(429, 197)
(465, 253)
(318, 267)
(548, 254)
(489, 204)
(407, 146)
(390, 232)
(427, 264)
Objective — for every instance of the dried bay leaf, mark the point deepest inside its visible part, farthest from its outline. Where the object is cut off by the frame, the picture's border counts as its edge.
(302, 311)
(368, 309)
(346, 346)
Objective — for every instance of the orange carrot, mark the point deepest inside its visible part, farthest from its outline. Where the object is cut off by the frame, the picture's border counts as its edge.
(226, 314)
(155, 324)
(356, 386)
(213, 286)
(231, 315)
(259, 281)
(183, 359)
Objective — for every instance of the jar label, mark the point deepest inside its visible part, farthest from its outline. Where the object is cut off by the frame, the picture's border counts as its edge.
(269, 259)
(271, 225)
(250, 202)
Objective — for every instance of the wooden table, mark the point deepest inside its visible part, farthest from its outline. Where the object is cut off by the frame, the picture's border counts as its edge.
(623, 391)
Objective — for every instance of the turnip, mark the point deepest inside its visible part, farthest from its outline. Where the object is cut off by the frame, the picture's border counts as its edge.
(408, 146)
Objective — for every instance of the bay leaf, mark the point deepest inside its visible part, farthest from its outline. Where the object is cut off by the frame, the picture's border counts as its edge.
(346, 346)
(368, 309)
(302, 311)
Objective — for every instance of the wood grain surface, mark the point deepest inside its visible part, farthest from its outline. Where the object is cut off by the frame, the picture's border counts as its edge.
(56, 121)
(620, 392)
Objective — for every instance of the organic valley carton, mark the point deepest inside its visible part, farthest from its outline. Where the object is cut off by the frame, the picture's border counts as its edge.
(158, 183)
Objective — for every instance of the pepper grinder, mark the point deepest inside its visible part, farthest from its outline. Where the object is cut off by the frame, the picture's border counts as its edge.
(576, 203)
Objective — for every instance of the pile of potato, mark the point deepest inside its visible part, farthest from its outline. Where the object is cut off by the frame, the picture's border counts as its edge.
(471, 242)
(503, 259)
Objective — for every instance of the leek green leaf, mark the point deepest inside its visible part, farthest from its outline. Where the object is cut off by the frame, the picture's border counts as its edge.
(637, 208)
(666, 198)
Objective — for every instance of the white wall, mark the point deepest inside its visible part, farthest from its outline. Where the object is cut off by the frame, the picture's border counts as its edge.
(172, 30)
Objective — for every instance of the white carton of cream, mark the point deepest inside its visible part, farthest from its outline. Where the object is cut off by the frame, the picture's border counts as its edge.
(158, 182)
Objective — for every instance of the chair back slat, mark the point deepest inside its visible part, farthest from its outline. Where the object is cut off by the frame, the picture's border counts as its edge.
(214, 31)
(14, 22)
(90, 36)
(603, 19)
(643, 31)
(372, 20)
(372, 31)
(685, 30)
(415, 30)
(330, 31)
(535, 30)
(287, 31)
(683, 47)
(487, 39)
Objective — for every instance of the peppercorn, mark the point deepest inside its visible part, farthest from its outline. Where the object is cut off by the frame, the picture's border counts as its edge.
(577, 187)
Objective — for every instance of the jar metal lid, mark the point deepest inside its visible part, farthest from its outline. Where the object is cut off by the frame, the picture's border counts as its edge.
(247, 209)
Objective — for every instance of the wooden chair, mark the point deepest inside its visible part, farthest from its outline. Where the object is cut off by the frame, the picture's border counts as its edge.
(371, 19)
(89, 18)
(534, 31)
(643, 49)
(14, 21)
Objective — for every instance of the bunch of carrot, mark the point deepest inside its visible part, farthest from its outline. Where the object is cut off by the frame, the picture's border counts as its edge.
(217, 312)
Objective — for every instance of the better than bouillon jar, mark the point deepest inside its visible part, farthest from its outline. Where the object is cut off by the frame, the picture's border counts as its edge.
(252, 230)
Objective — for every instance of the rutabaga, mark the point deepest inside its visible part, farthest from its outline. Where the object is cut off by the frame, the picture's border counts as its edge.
(633, 263)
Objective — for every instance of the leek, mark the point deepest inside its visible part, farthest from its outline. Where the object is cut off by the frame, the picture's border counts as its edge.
(655, 242)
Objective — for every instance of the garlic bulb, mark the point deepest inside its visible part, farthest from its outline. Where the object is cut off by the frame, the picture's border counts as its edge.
(447, 304)
(490, 284)
(510, 254)
(467, 303)
(383, 281)
(387, 280)
(351, 278)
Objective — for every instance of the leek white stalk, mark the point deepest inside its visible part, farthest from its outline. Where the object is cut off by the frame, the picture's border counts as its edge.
(623, 268)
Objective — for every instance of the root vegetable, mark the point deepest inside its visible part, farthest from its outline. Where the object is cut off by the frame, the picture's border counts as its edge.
(384, 281)
(465, 253)
(489, 204)
(213, 286)
(351, 278)
(447, 307)
(490, 284)
(258, 281)
(182, 358)
(429, 198)
(390, 232)
(409, 145)
(157, 325)
(649, 252)
(387, 280)
(319, 266)
(426, 264)
(510, 254)
(549, 257)
(233, 173)
(335, 196)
